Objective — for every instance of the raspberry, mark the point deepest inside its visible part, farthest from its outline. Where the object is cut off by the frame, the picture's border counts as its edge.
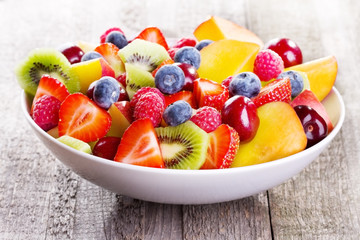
(46, 112)
(207, 118)
(104, 35)
(150, 105)
(185, 42)
(172, 52)
(141, 92)
(268, 65)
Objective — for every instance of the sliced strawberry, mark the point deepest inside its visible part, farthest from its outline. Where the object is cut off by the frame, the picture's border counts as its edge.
(52, 87)
(210, 93)
(153, 34)
(81, 118)
(182, 95)
(107, 32)
(224, 142)
(276, 91)
(110, 52)
(140, 145)
(165, 62)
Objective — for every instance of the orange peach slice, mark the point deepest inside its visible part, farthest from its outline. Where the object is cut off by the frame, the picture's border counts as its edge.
(321, 74)
(280, 134)
(216, 28)
(225, 58)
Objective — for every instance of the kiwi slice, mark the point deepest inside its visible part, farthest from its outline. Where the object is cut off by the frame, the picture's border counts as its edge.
(147, 55)
(75, 143)
(137, 78)
(46, 61)
(184, 146)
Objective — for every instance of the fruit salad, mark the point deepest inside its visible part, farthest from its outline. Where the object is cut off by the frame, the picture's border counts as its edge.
(219, 99)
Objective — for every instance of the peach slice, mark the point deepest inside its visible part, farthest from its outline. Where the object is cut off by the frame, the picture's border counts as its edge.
(90, 71)
(308, 98)
(216, 28)
(321, 74)
(121, 118)
(225, 58)
(280, 134)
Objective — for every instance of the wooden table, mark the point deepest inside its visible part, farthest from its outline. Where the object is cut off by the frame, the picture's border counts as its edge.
(42, 199)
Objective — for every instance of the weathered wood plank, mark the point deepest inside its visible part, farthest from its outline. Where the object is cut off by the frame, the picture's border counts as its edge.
(313, 204)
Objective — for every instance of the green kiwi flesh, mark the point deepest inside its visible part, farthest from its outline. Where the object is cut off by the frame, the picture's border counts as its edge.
(75, 143)
(137, 78)
(184, 146)
(46, 61)
(147, 55)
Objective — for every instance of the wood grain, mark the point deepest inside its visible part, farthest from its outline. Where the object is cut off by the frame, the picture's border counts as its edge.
(41, 199)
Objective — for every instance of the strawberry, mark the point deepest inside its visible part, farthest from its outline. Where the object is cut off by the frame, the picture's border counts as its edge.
(104, 35)
(153, 34)
(52, 87)
(110, 52)
(166, 62)
(182, 95)
(81, 118)
(140, 146)
(46, 112)
(276, 91)
(183, 42)
(207, 118)
(210, 93)
(224, 143)
(151, 106)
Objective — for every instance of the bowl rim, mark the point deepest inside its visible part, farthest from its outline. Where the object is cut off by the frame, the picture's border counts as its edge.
(312, 150)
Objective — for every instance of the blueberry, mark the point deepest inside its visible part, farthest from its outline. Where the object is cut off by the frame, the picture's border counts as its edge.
(117, 38)
(106, 92)
(90, 55)
(203, 43)
(177, 113)
(169, 79)
(189, 55)
(246, 84)
(296, 81)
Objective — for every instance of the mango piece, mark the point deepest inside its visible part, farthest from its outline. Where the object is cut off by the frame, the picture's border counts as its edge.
(321, 74)
(90, 71)
(216, 28)
(280, 134)
(227, 57)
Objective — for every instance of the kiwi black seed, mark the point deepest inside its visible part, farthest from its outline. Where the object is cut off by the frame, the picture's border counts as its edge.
(46, 61)
(137, 78)
(184, 146)
(147, 55)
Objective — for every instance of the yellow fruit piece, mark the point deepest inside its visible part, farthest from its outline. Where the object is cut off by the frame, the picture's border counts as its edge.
(216, 28)
(225, 58)
(119, 122)
(280, 134)
(321, 74)
(86, 46)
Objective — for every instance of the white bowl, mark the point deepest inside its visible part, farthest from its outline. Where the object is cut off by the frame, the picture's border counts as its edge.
(188, 186)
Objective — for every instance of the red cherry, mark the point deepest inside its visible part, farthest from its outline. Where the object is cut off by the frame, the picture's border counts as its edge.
(287, 49)
(190, 75)
(241, 113)
(314, 125)
(72, 52)
(106, 147)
